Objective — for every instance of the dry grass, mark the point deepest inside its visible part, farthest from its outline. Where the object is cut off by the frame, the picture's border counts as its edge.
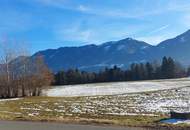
(116, 109)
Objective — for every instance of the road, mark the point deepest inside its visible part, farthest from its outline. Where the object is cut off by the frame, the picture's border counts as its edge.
(14, 125)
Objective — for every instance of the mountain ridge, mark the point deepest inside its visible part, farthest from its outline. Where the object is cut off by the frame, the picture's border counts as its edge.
(122, 53)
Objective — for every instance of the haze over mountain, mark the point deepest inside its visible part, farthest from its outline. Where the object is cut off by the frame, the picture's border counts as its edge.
(121, 53)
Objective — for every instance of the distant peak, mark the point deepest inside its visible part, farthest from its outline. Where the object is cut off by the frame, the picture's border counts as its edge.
(129, 39)
(108, 43)
(126, 41)
(187, 33)
(184, 36)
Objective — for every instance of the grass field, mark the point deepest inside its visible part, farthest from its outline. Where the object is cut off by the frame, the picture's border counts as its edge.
(131, 109)
(66, 110)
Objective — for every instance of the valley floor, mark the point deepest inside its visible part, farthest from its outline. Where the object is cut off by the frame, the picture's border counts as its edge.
(115, 88)
(129, 109)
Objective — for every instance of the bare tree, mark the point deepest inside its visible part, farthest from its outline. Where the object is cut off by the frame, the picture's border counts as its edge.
(42, 76)
(21, 75)
(7, 55)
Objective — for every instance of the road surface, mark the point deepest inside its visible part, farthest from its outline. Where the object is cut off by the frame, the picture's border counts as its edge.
(14, 125)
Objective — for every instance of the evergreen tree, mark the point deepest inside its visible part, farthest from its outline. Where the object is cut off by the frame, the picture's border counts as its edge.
(168, 69)
(171, 68)
(164, 68)
(137, 72)
(142, 72)
(150, 71)
(188, 71)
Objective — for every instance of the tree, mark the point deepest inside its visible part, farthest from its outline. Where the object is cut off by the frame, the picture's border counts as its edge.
(171, 68)
(21, 75)
(60, 78)
(142, 72)
(7, 54)
(168, 69)
(150, 71)
(164, 67)
(188, 71)
(41, 76)
(133, 70)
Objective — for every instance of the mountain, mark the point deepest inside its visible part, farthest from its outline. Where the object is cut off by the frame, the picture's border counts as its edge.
(121, 53)
(94, 57)
(178, 48)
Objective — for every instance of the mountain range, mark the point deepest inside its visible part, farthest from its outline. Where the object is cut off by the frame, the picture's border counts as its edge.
(121, 53)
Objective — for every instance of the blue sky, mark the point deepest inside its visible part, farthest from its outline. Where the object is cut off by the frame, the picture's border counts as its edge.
(42, 24)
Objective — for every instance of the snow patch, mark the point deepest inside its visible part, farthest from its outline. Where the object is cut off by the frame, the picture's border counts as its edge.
(33, 114)
(11, 99)
(107, 48)
(176, 121)
(115, 88)
(26, 108)
(182, 39)
(144, 47)
(120, 47)
(131, 114)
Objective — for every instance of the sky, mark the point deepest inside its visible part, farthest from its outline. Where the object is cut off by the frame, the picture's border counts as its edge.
(43, 24)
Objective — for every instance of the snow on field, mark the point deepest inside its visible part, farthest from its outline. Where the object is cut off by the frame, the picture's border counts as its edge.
(176, 121)
(153, 103)
(146, 104)
(10, 99)
(116, 88)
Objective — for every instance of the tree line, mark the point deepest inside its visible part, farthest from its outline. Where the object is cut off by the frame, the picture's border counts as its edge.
(20, 75)
(137, 71)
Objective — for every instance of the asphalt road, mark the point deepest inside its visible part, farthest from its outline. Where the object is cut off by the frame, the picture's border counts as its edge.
(12, 125)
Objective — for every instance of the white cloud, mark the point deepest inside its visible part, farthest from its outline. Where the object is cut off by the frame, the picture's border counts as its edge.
(83, 8)
(178, 5)
(103, 32)
(185, 20)
(159, 29)
(182, 7)
(114, 12)
(138, 12)
(74, 33)
(97, 33)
